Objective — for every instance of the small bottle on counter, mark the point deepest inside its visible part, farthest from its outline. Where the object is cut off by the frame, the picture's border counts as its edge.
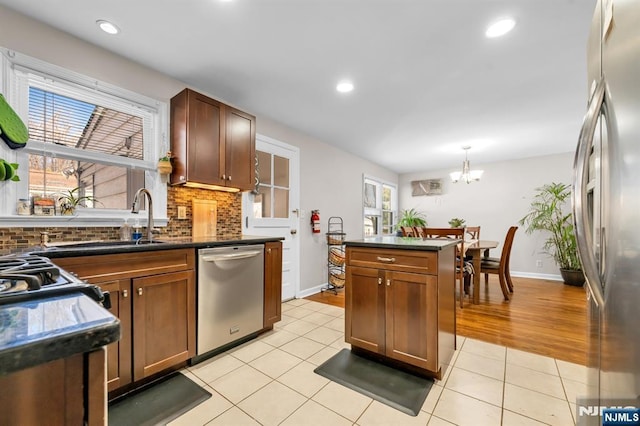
(125, 231)
(137, 232)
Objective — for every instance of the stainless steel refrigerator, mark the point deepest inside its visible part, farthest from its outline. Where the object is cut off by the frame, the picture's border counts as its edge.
(606, 202)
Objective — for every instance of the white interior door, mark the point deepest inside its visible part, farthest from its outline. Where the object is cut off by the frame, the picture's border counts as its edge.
(273, 208)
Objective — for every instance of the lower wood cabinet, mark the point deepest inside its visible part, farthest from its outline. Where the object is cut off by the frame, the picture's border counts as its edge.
(404, 316)
(153, 294)
(272, 283)
(394, 314)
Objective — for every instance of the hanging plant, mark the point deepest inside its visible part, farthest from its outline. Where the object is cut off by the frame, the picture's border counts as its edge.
(164, 164)
(8, 171)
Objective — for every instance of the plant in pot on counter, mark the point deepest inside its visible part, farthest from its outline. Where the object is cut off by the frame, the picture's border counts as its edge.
(72, 199)
(410, 217)
(550, 212)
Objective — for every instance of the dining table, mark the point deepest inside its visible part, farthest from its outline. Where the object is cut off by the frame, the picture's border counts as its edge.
(478, 249)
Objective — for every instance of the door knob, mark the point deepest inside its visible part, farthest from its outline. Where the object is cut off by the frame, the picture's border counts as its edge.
(294, 231)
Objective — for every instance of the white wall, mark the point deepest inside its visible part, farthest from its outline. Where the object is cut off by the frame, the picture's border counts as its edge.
(499, 200)
(331, 179)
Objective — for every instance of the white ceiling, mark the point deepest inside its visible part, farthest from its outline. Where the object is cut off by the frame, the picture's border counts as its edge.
(427, 81)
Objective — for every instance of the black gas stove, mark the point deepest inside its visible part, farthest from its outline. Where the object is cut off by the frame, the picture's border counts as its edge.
(26, 277)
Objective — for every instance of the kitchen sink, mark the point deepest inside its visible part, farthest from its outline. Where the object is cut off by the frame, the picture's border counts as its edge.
(99, 244)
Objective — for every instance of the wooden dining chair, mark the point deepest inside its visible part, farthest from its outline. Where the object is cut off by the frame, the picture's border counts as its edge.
(500, 266)
(408, 231)
(473, 232)
(452, 233)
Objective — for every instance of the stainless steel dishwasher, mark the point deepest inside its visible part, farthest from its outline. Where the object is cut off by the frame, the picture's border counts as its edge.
(230, 294)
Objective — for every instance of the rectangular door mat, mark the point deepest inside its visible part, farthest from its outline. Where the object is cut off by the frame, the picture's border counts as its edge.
(158, 403)
(396, 388)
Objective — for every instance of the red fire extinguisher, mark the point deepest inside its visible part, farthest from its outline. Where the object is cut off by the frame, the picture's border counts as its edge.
(315, 221)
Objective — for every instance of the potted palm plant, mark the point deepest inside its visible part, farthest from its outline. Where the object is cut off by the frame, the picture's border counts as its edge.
(548, 213)
(410, 217)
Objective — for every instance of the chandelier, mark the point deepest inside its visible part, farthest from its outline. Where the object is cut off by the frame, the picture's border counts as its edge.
(466, 175)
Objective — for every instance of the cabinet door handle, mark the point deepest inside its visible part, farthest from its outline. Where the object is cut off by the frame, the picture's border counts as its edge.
(379, 280)
(387, 259)
(224, 177)
(229, 178)
(139, 291)
(388, 283)
(125, 294)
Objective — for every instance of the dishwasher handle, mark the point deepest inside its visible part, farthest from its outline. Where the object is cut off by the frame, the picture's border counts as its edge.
(233, 256)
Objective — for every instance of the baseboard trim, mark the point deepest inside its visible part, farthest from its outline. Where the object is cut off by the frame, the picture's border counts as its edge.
(309, 291)
(551, 277)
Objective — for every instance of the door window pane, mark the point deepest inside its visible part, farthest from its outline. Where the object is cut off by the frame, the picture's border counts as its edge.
(262, 203)
(281, 203)
(281, 171)
(264, 167)
(272, 200)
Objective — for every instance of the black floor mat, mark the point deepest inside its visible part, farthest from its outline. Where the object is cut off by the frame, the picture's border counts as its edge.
(159, 403)
(396, 388)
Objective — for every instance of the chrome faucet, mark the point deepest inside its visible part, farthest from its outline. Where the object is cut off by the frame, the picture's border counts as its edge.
(135, 208)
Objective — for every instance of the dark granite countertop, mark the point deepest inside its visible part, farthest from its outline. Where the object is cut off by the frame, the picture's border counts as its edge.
(404, 243)
(42, 330)
(78, 248)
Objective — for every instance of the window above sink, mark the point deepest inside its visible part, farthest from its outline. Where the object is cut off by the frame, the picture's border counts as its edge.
(85, 134)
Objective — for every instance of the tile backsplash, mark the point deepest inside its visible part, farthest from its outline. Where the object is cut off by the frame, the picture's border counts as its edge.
(229, 221)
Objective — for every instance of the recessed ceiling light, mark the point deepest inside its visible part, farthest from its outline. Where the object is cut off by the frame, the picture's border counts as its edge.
(344, 87)
(107, 27)
(500, 28)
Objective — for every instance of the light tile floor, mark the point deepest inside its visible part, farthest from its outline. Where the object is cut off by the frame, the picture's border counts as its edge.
(270, 381)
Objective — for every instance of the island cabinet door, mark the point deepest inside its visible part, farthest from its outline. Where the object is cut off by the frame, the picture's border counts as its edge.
(411, 318)
(364, 316)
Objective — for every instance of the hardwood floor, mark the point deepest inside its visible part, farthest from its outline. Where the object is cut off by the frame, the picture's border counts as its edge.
(543, 317)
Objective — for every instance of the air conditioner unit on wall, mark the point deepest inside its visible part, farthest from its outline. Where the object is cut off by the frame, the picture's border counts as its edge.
(426, 187)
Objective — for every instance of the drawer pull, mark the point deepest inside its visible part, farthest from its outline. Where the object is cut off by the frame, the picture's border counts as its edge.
(387, 259)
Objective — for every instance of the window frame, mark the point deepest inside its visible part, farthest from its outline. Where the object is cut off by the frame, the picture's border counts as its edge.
(17, 73)
(378, 210)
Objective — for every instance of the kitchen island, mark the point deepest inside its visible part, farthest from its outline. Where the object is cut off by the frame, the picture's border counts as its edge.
(52, 360)
(400, 302)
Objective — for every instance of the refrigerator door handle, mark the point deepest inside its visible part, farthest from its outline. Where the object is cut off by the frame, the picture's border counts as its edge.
(584, 233)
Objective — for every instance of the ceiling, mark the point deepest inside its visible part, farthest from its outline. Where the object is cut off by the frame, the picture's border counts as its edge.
(427, 81)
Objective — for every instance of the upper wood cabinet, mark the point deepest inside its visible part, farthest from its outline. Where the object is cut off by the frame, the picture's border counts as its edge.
(212, 143)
